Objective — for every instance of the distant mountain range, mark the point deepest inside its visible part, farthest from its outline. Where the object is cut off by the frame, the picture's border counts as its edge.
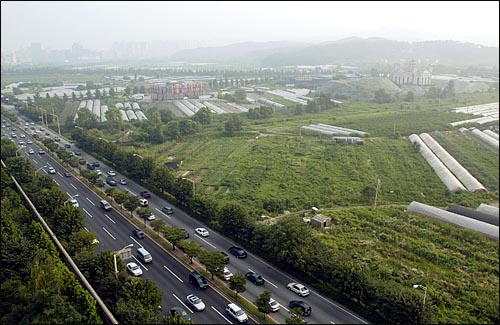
(353, 50)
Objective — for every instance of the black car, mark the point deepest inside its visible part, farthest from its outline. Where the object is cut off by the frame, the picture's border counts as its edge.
(138, 234)
(306, 309)
(78, 153)
(110, 180)
(238, 252)
(255, 278)
(145, 194)
(67, 174)
(181, 312)
(67, 145)
(96, 164)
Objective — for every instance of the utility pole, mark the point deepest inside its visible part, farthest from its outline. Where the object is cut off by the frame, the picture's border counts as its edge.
(376, 193)
(54, 115)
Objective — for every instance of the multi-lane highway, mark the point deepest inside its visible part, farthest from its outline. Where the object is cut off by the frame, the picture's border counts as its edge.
(171, 276)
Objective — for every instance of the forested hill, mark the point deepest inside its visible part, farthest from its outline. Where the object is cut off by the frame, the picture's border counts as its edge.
(346, 51)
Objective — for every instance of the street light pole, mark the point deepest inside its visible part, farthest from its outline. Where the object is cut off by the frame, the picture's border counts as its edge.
(419, 286)
(120, 251)
(21, 147)
(36, 171)
(376, 194)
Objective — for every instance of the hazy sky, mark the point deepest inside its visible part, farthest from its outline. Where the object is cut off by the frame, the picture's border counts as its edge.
(97, 25)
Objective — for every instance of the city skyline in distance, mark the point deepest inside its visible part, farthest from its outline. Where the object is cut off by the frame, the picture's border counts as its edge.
(59, 25)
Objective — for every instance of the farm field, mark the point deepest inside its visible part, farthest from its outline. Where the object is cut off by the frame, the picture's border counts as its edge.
(271, 165)
(458, 266)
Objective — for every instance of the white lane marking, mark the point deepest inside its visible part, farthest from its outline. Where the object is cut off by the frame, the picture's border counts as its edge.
(332, 322)
(205, 241)
(86, 229)
(90, 201)
(136, 241)
(135, 258)
(173, 294)
(218, 312)
(108, 233)
(60, 174)
(288, 310)
(36, 162)
(87, 212)
(173, 273)
(131, 192)
(166, 215)
(109, 218)
(265, 279)
(73, 186)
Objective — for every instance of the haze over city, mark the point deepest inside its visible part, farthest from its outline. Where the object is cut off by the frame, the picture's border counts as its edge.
(97, 25)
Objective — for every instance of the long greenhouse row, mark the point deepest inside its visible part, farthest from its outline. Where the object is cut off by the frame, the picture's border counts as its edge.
(189, 107)
(453, 175)
(126, 111)
(488, 113)
(331, 130)
(454, 218)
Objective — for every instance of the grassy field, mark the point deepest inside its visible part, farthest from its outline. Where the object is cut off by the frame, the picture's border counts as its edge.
(458, 266)
(270, 162)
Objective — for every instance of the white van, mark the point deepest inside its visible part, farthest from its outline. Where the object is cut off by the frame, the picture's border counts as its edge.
(144, 255)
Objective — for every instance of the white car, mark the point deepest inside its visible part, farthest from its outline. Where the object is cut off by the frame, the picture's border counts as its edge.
(52, 170)
(151, 217)
(202, 232)
(74, 202)
(237, 313)
(22, 136)
(31, 151)
(98, 171)
(134, 269)
(111, 173)
(196, 302)
(275, 306)
(298, 288)
(226, 275)
(143, 202)
(29, 142)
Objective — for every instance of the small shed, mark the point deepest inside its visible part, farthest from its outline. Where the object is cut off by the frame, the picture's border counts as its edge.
(320, 221)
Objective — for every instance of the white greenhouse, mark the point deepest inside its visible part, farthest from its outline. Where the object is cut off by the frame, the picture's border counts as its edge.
(448, 179)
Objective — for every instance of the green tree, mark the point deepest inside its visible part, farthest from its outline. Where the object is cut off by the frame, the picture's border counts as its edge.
(66, 221)
(158, 225)
(138, 302)
(204, 116)
(213, 261)
(131, 203)
(295, 318)
(289, 242)
(262, 302)
(240, 95)
(410, 96)
(191, 249)
(174, 235)
(234, 220)
(238, 283)
(176, 319)
(233, 125)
